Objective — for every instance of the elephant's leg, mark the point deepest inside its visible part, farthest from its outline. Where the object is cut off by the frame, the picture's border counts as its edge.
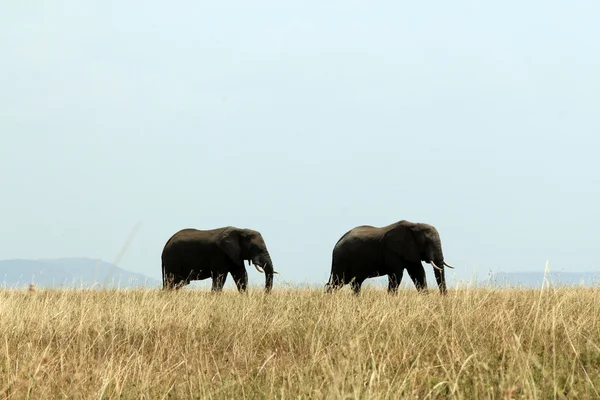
(218, 280)
(168, 281)
(356, 283)
(332, 287)
(440, 277)
(336, 281)
(240, 277)
(417, 274)
(172, 280)
(182, 278)
(394, 279)
(175, 281)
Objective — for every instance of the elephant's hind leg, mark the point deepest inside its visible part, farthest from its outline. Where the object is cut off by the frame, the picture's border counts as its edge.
(173, 281)
(335, 283)
(355, 284)
(331, 287)
(168, 281)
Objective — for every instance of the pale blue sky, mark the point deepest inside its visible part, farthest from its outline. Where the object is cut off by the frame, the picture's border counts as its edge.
(302, 120)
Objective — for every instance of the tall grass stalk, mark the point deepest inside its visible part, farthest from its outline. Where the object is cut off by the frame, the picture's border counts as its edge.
(295, 343)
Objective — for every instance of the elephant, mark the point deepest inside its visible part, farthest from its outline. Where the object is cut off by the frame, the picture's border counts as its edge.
(193, 254)
(368, 251)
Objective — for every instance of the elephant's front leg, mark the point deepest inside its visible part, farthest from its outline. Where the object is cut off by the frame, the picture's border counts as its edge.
(240, 277)
(218, 280)
(417, 274)
(394, 280)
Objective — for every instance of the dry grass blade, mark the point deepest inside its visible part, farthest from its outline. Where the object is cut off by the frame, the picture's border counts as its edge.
(300, 343)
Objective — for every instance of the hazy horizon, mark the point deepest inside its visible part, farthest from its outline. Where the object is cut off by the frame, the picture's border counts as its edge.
(302, 121)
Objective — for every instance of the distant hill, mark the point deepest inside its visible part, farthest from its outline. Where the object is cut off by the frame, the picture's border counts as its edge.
(69, 272)
(535, 279)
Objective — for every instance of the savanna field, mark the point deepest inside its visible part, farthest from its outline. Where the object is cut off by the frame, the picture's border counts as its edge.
(300, 343)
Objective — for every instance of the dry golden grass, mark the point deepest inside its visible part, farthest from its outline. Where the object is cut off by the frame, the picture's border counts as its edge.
(475, 343)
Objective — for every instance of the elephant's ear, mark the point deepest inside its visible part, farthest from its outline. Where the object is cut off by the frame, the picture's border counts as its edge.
(229, 243)
(401, 242)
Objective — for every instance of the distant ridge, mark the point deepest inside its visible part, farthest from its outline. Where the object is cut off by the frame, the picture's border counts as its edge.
(69, 272)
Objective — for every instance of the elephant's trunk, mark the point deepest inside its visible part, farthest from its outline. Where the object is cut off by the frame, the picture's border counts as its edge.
(436, 259)
(269, 271)
(266, 266)
(440, 277)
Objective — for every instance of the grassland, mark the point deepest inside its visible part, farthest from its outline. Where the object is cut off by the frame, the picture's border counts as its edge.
(474, 343)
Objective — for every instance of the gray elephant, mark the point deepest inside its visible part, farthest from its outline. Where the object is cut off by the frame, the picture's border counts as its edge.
(367, 252)
(193, 254)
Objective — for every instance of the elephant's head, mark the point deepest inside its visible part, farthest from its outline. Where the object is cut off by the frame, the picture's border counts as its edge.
(417, 242)
(247, 244)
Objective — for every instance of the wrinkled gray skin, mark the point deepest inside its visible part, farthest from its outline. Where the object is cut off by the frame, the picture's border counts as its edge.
(367, 252)
(192, 254)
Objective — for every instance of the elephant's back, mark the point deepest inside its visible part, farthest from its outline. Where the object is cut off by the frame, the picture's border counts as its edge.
(358, 234)
(191, 236)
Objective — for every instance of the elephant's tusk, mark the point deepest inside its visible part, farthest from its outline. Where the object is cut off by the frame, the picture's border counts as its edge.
(259, 269)
(435, 266)
(448, 265)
